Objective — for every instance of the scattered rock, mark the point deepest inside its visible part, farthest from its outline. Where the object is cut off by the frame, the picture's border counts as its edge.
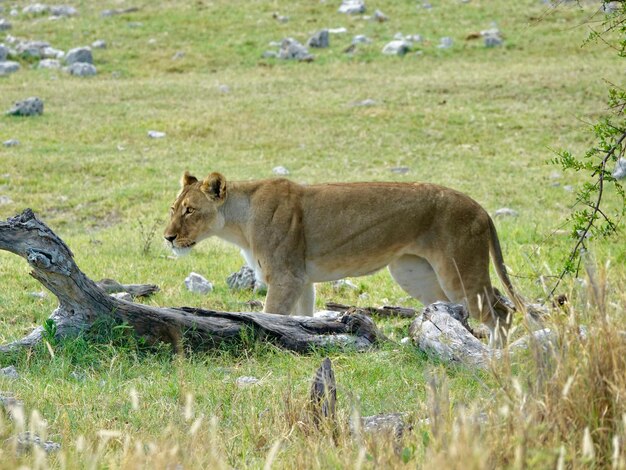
(340, 30)
(49, 64)
(352, 7)
(8, 67)
(505, 212)
(492, 37)
(361, 39)
(280, 18)
(319, 40)
(280, 170)
(4, 200)
(270, 55)
(399, 170)
(29, 107)
(198, 284)
(11, 143)
(344, 284)
(99, 44)
(27, 440)
(5, 25)
(426, 5)
(620, 169)
(391, 423)
(365, 103)
(244, 279)
(380, 16)
(178, 55)
(611, 7)
(79, 54)
(9, 372)
(243, 382)
(82, 69)
(4, 52)
(405, 340)
(122, 296)
(445, 43)
(36, 9)
(120, 11)
(52, 53)
(38, 295)
(569, 188)
(224, 89)
(156, 134)
(397, 47)
(63, 10)
(290, 49)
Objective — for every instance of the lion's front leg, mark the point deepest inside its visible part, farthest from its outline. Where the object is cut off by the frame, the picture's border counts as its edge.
(283, 295)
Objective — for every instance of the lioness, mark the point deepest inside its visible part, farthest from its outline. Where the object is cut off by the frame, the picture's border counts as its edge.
(434, 240)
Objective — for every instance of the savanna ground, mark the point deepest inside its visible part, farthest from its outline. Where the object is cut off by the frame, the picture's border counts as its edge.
(484, 121)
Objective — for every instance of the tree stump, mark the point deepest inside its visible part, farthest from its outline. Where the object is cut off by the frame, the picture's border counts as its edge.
(82, 302)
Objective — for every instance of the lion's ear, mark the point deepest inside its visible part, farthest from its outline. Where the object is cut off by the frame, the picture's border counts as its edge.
(187, 179)
(214, 186)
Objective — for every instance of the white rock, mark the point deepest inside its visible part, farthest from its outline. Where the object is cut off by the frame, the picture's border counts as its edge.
(198, 284)
(52, 53)
(243, 382)
(344, 284)
(9, 373)
(505, 212)
(280, 170)
(445, 43)
(5, 200)
(352, 7)
(361, 39)
(366, 102)
(620, 169)
(49, 64)
(36, 9)
(82, 69)
(405, 340)
(156, 134)
(79, 54)
(11, 143)
(99, 44)
(8, 67)
(63, 10)
(340, 30)
(397, 47)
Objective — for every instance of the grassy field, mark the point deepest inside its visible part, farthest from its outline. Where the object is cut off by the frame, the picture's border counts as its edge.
(481, 120)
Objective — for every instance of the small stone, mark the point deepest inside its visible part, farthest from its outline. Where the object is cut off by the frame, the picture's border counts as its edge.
(391, 423)
(620, 169)
(4, 200)
(280, 18)
(51, 53)
(36, 9)
(178, 55)
(27, 440)
(63, 10)
(156, 134)
(290, 49)
(569, 188)
(49, 64)
(9, 372)
(280, 170)
(82, 69)
(397, 47)
(380, 16)
(492, 38)
(38, 295)
(426, 6)
(8, 67)
(340, 30)
(122, 296)
(29, 107)
(244, 279)
(361, 39)
(79, 54)
(11, 143)
(611, 7)
(319, 40)
(399, 170)
(99, 44)
(405, 340)
(505, 212)
(5, 25)
(342, 284)
(445, 43)
(365, 103)
(243, 382)
(224, 89)
(270, 55)
(197, 284)
(4, 52)
(352, 7)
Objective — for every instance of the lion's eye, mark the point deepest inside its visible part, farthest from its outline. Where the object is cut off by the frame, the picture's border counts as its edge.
(189, 210)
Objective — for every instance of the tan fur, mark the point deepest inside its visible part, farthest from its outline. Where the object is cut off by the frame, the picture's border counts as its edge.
(435, 241)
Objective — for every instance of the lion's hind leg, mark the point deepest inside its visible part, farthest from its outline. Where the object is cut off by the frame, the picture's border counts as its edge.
(418, 278)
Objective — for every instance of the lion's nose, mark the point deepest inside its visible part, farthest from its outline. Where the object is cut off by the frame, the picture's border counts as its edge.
(170, 238)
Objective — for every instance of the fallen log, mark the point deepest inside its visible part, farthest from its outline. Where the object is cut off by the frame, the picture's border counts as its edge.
(82, 302)
(384, 311)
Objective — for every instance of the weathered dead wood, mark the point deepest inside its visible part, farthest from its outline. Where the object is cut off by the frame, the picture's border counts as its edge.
(111, 286)
(384, 311)
(324, 394)
(82, 302)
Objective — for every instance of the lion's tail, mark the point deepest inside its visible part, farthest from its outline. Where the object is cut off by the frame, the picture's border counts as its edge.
(498, 262)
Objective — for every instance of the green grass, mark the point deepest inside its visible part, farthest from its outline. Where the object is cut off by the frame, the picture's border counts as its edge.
(484, 121)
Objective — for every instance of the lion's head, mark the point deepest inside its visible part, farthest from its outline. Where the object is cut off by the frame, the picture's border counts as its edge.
(194, 215)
